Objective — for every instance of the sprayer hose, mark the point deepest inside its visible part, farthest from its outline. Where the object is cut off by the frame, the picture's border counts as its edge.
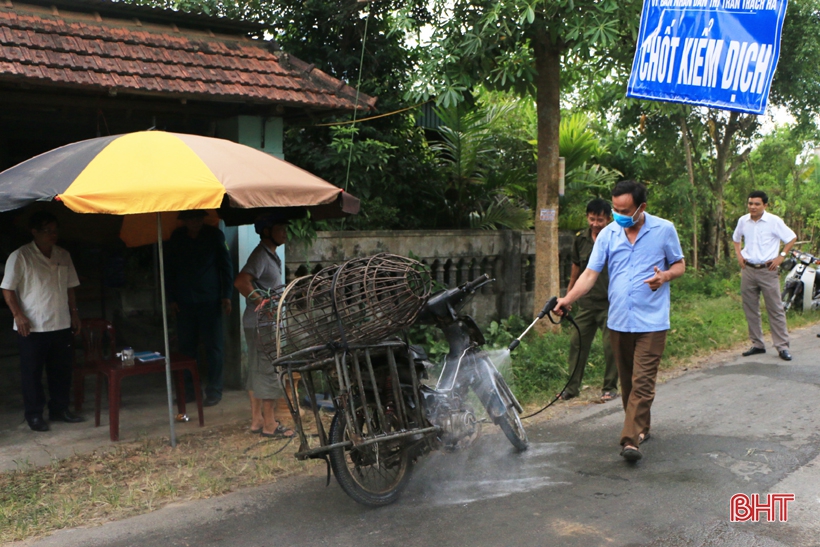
(577, 364)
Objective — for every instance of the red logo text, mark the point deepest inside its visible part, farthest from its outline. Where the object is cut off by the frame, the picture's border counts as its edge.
(775, 508)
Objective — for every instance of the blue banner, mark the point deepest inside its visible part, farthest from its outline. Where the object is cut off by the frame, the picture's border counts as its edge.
(716, 53)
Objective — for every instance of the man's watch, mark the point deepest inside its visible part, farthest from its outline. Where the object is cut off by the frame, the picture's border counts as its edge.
(783, 254)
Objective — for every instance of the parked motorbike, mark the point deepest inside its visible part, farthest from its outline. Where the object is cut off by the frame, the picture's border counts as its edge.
(385, 416)
(801, 289)
(467, 367)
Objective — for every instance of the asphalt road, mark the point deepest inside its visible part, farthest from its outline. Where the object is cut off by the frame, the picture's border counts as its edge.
(749, 425)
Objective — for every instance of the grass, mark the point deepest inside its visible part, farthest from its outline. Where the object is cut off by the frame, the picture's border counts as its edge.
(706, 316)
(139, 477)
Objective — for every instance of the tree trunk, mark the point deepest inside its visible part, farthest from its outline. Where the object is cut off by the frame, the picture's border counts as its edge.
(720, 225)
(723, 151)
(548, 100)
(690, 169)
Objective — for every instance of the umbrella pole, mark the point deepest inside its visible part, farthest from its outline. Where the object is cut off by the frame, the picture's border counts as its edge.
(165, 332)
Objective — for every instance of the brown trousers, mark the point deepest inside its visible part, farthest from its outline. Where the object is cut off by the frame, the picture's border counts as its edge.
(638, 355)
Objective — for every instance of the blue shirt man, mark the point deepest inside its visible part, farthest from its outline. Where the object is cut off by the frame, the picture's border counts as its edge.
(633, 305)
(643, 254)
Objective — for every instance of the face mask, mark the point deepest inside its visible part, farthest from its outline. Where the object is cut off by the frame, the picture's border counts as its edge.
(625, 221)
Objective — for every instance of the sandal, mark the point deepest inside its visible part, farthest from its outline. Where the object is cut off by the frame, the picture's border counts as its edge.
(564, 396)
(281, 432)
(608, 396)
(644, 437)
(256, 431)
(631, 454)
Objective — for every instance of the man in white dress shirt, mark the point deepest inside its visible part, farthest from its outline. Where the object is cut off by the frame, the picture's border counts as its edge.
(38, 287)
(760, 261)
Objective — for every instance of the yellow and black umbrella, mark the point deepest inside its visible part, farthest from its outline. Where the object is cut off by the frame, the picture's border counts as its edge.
(154, 172)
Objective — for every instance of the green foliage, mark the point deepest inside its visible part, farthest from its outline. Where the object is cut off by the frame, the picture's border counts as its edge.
(462, 151)
(302, 231)
(798, 69)
(577, 143)
(646, 142)
(383, 173)
(368, 155)
(431, 339)
(493, 43)
(706, 315)
(499, 334)
(708, 282)
(783, 164)
(473, 185)
(501, 212)
(478, 45)
(391, 162)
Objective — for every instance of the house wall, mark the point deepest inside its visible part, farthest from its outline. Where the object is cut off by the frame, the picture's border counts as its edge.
(267, 135)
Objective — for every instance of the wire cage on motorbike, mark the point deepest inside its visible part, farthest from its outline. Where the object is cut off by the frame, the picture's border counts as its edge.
(334, 329)
(364, 300)
(374, 386)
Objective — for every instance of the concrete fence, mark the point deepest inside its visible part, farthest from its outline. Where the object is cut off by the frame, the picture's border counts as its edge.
(454, 256)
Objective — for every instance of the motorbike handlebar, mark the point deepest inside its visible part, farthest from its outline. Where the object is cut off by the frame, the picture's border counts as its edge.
(477, 283)
(797, 254)
(445, 303)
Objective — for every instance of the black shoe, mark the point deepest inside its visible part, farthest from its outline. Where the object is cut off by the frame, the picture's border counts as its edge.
(65, 416)
(38, 424)
(785, 355)
(754, 350)
(211, 401)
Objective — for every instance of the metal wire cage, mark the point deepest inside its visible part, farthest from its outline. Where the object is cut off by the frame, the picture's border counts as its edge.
(362, 301)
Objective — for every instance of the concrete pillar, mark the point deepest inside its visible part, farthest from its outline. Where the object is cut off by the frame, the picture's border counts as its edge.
(511, 264)
(267, 135)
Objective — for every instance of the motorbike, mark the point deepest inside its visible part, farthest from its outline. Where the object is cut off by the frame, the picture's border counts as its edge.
(801, 288)
(387, 413)
(467, 367)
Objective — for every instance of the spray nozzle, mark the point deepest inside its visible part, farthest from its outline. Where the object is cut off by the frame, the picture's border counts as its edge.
(514, 344)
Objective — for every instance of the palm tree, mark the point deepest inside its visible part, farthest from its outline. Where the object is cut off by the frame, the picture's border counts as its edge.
(474, 189)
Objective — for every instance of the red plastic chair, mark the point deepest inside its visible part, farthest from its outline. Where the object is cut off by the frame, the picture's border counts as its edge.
(97, 334)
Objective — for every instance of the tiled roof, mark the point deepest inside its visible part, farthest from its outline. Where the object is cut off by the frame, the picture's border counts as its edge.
(39, 45)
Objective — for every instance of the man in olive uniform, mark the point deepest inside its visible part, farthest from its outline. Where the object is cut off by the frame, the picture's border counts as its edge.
(592, 308)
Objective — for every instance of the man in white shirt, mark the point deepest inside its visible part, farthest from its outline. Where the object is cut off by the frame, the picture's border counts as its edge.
(38, 287)
(760, 261)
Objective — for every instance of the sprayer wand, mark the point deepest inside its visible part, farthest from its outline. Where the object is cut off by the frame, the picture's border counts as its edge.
(548, 307)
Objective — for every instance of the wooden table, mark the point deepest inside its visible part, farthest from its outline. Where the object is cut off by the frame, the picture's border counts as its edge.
(115, 372)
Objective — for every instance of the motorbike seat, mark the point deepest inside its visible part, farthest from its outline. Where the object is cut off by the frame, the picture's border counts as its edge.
(417, 352)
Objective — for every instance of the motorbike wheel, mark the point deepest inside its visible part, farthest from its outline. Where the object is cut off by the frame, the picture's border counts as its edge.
(373, 475)
(510, 422)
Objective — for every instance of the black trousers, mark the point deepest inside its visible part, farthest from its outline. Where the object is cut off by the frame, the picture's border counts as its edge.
(202, 323)
(51, 351)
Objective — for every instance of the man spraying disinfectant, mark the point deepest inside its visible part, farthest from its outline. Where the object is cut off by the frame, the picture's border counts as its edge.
(643, 254)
